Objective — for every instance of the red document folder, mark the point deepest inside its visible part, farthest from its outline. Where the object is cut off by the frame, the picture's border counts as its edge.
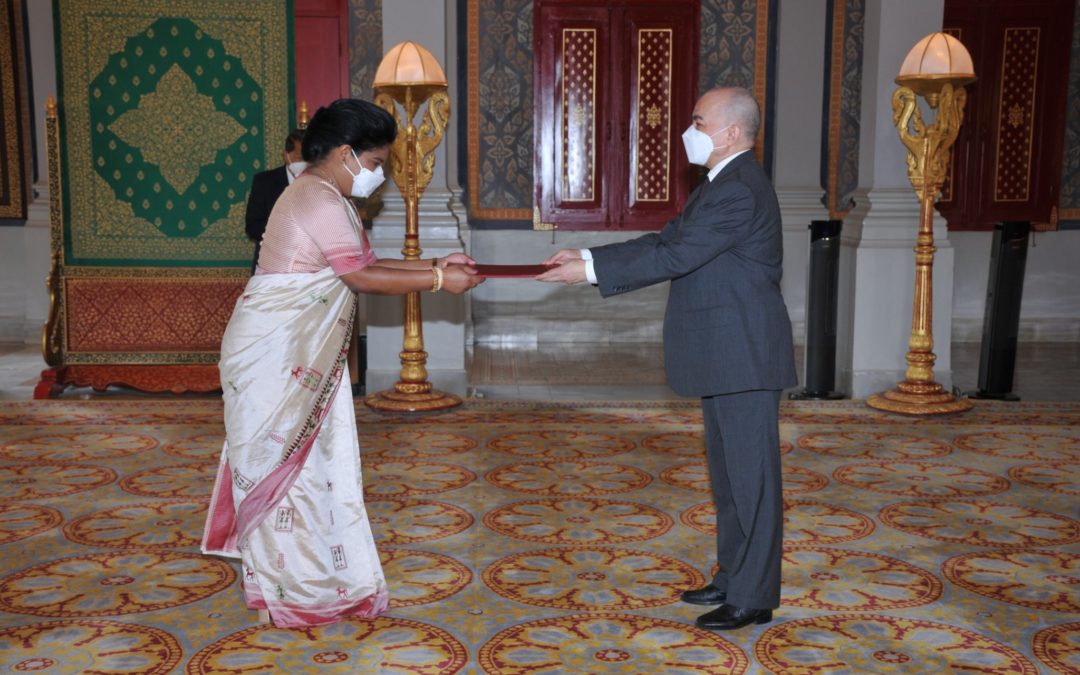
(511, 271)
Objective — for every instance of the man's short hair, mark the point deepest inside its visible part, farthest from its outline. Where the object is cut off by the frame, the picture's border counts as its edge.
(294, 139)
(742, 110)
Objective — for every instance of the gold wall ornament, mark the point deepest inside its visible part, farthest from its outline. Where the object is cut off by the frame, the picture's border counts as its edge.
(928, 147)
(302, 117)
(412, 165)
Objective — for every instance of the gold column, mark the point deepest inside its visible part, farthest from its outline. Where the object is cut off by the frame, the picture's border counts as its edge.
(929, 147)
(409, 76)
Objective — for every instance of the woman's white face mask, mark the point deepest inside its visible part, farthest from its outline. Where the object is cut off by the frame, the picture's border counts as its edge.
(699, 145)
(365, 182)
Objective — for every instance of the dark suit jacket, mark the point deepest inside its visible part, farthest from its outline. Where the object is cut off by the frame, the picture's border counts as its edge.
(726, 328)
(266, 187)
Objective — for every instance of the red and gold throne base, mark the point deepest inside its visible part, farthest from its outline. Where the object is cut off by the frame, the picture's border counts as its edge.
(150, 333)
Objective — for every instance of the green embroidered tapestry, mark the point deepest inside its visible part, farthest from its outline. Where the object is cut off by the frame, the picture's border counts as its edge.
(167, 109)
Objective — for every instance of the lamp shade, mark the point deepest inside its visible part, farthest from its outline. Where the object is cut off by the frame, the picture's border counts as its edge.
(937, 58)
(407, 63)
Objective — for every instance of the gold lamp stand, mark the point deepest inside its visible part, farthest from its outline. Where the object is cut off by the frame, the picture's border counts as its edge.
(409, 75)
(937, 68)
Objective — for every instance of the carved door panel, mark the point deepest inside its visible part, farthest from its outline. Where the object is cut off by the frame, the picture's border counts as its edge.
(1007, 159)
(614, 90)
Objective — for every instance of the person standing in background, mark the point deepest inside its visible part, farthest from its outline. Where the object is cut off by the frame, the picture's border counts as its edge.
(268, 185)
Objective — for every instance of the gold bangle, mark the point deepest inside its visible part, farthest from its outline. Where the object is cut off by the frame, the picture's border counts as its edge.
(437, 282)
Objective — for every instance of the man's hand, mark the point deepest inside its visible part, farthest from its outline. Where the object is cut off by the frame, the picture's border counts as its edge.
(565, 255)
(569, 272)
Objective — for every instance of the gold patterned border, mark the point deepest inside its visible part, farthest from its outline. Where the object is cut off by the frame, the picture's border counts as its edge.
(14, 91)
(1016, 116)
(578, 184)
(156, 273)
(761, 84)
(652, 117)
(836, 74)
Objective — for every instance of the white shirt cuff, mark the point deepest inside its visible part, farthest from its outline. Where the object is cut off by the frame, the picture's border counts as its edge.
(586, 254)
(590, 271)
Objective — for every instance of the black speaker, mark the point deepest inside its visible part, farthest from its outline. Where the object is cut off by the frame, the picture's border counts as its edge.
(1001, 322)
(821, 301)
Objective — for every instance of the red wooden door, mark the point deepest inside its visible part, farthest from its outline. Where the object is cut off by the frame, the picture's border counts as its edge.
(1006, 162)
(321, 35)
(615, 85)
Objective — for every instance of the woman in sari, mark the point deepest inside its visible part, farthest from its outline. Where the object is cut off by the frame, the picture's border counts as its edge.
(288, 498)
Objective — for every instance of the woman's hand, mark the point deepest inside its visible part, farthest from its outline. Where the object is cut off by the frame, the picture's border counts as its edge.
(459, 278)
(455, 259)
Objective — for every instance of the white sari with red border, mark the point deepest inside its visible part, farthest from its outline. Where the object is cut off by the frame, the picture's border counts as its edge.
(288, 498)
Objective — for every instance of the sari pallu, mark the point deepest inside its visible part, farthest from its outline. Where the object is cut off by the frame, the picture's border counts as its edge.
(288, 497)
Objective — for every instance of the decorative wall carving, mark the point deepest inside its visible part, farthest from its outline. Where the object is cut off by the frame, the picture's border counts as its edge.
(365, 46)
(843, 101)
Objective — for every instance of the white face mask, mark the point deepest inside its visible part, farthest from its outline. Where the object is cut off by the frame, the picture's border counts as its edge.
(295, 169)
(365, 182)
(699, 145)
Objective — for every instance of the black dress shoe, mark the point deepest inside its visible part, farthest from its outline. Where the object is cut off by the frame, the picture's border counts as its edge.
(710, 595)
(730, 617)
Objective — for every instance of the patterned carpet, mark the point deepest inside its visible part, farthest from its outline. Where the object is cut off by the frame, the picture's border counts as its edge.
(555, 538)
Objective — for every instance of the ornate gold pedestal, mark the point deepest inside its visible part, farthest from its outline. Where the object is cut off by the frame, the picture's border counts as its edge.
(928, 161)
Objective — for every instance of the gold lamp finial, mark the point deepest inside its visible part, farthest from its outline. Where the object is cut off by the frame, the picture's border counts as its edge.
(407, 63)
(935, 60)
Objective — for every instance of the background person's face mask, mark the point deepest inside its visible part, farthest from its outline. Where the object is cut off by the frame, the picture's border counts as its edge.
(365, 182)
(296, 168)
(699, 144)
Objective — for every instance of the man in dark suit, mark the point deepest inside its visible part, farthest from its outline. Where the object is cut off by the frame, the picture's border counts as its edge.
(267, 186)
(727, 340)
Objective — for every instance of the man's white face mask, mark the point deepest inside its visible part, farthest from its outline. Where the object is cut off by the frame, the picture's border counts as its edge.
(295, 168)
(699, 145)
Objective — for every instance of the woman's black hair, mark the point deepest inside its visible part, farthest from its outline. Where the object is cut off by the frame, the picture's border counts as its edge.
(347, 121)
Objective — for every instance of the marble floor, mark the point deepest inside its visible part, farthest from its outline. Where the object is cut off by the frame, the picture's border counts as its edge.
(1045, 371)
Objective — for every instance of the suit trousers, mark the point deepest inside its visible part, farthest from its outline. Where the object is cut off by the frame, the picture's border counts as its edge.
(742, 446)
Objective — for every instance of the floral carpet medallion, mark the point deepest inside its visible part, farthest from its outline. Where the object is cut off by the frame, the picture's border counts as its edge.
(866, 643)
(409, 444)
(408, 521)
(88, 646)
(591, 578)
(837, 580)
(609, 643)
(79, 447)
(107, 584)
(578, 521)
(383, 645)
(555, 538)
(165, 524)
(21, 520)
